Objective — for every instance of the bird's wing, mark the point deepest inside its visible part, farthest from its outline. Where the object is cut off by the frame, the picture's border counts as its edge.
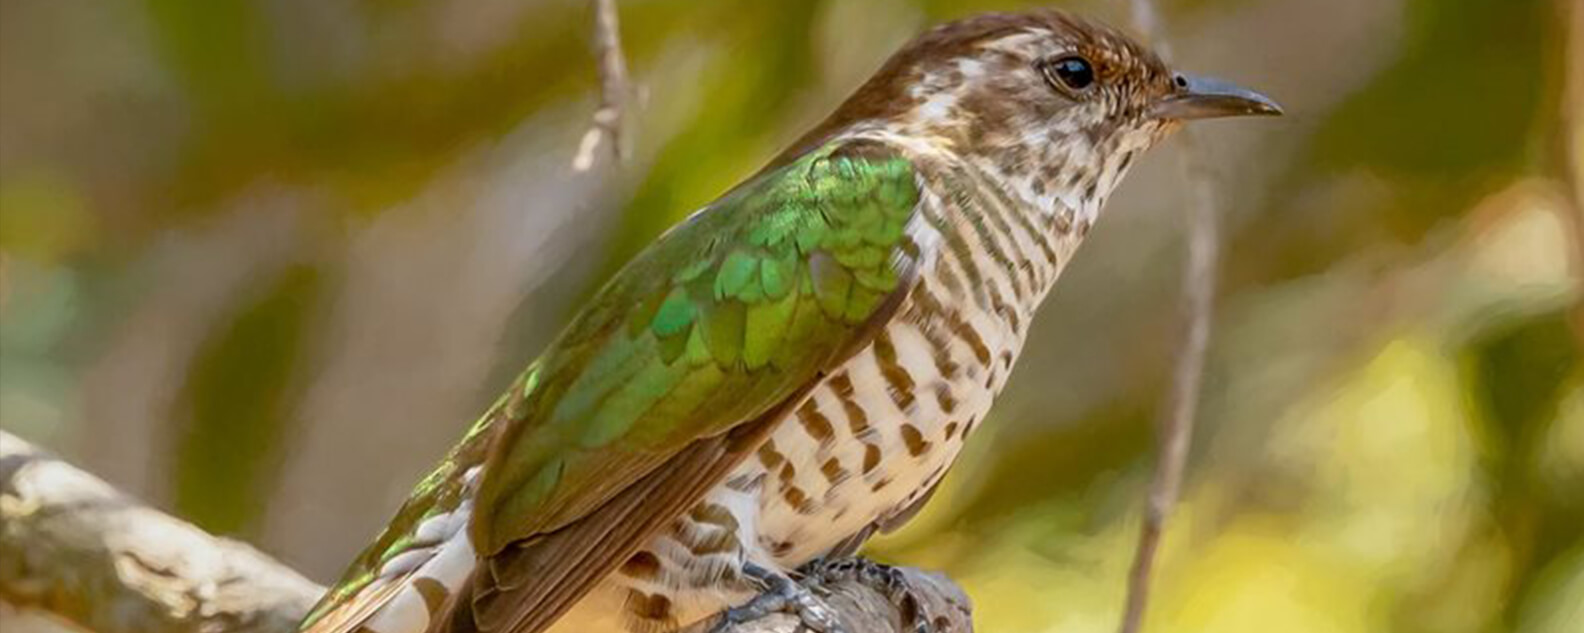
(678, 370)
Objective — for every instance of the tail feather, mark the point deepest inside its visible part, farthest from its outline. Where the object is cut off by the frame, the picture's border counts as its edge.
(352, 614)
(401, 583)
(407, 575)
(407, 600)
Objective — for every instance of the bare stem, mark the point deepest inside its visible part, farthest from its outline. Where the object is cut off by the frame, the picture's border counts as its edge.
(1198, 309)
(608, 118)
(1146, 20)
(1569, 138)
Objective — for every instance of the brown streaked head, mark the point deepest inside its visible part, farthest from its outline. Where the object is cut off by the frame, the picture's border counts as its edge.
(1016, 81)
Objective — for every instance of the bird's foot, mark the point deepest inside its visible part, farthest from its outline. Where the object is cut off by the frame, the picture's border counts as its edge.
(886, 580)
(780, 595)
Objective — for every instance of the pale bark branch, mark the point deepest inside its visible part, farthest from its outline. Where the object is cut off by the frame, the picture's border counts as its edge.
(610, 117)
(862, 608)
(1176, 423)
(75, 548)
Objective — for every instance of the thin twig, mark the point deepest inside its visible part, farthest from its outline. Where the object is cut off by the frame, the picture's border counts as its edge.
(1198, 304)
(1569, 137)
(1568, 141)
(1146, 20)
(608, 119)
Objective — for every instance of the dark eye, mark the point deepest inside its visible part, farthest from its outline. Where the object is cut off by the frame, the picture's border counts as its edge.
(1070, 74)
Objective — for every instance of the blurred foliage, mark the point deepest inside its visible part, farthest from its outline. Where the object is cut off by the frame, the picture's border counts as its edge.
(253, 267)
(239, 402)
(1450, 119)
(1476, 66)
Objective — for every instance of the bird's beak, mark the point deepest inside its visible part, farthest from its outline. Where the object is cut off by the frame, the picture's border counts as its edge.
(1209, 98)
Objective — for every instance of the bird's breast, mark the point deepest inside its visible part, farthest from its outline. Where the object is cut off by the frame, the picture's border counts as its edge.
(877, 433)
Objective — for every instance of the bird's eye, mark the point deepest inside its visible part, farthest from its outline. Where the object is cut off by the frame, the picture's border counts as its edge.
(1071, 74)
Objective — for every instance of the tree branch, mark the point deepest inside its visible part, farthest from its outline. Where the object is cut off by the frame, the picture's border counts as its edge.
(75, 547)
(608, 118)
(1198, 306)
(1568, 141)
(72, 546)
(863, 608)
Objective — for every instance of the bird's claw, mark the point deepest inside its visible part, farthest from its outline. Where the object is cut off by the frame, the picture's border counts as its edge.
(780, 595)
(885, 579)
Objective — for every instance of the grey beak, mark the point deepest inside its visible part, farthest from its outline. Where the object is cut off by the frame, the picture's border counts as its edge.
(1209, 98)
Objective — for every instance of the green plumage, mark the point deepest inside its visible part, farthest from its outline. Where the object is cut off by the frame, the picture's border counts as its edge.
(729, 314)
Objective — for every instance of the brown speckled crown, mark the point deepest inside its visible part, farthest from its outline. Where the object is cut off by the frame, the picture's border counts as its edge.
(888, 95)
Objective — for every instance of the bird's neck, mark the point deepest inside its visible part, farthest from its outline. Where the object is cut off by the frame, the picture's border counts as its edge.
(991, 215)
(1063, 183)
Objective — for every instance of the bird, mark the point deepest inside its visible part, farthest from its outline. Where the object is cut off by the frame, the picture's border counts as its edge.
(795, 366)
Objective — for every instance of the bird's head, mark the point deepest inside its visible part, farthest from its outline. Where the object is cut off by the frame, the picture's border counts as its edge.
(1057, 104)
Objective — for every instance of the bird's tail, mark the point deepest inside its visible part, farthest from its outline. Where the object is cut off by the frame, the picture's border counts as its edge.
(406, 577)
(400, 587)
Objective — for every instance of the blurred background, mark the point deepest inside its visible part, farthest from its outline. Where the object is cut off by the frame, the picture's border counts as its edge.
(261, 262)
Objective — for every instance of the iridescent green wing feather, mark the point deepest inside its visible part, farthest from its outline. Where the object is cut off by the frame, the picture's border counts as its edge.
(730, 317)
